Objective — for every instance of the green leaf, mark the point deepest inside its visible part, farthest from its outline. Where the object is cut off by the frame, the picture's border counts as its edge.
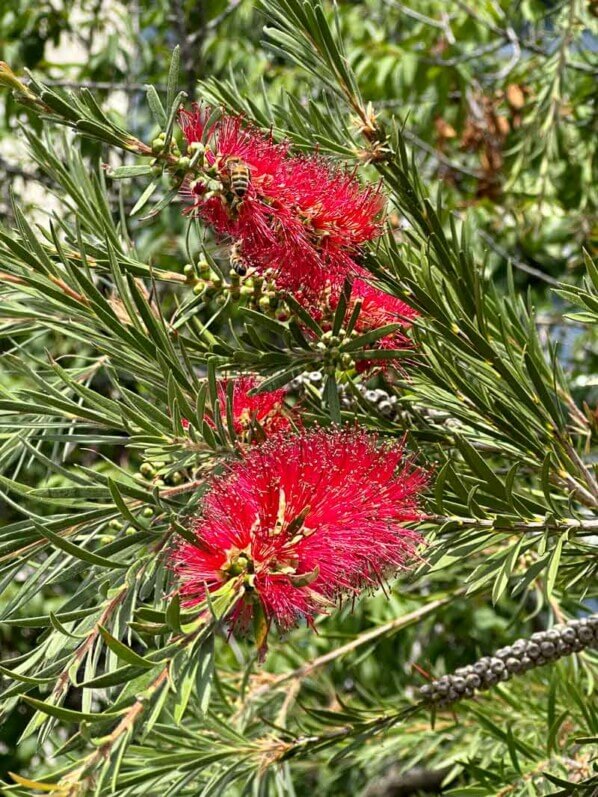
(185, 684)
(68, 714)
(123, 172)
(173, 76)
(173, 613)
(205, 672)
(553, 566)
(123, 652)
(156, 106)
(76, 551)
(332, 398)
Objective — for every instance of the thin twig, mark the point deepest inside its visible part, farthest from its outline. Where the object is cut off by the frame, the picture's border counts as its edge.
(526, 526)
(438, 156)
(213, 23)
(518, 264)
(100, 85)
(509, 36)
(410, 12)
(363, 639)
(125, 726)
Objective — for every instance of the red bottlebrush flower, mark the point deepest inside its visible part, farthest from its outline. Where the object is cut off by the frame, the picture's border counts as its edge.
(264, 409)
(301, 521)
(378, 309)
(294, 216)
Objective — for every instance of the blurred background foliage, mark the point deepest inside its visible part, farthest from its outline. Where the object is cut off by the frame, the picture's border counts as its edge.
(497, 100)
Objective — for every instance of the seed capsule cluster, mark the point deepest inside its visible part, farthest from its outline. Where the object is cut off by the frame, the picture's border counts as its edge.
(524, 654)
(384, 402)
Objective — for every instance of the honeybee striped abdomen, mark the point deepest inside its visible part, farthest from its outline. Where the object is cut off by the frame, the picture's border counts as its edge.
(237, 263)
(239, 176)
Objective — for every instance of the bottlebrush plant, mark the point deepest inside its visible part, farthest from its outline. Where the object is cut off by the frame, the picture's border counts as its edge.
(265, 489)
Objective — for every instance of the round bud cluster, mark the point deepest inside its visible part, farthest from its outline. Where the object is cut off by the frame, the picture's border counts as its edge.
(524, 654)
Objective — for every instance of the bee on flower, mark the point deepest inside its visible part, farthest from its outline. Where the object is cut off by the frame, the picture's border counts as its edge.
(295, 215)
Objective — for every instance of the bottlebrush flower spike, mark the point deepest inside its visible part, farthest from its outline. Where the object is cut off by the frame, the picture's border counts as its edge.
(300, 522)
(379, 309)
(252, 413)
(298, 216)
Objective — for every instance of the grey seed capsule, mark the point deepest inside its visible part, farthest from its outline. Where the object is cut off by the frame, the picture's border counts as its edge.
(533, 650)
(490, 679)
(314, 376)
(568, 634)
(524, 654)
(371, 395)
(385, 408)
(548, 649)
(585, 633)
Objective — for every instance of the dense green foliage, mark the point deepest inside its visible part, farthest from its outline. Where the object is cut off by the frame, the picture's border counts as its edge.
(478, 119)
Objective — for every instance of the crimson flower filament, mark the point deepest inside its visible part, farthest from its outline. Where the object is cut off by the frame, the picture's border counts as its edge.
(293, 216)
(300, 522)
(256, 415)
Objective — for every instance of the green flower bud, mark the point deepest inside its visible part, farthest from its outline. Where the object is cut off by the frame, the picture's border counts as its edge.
(158, 143)
(183, 164)
(203, 268)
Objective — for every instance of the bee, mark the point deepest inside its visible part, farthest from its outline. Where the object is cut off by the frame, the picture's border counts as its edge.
(237, 263)
(239, 176)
